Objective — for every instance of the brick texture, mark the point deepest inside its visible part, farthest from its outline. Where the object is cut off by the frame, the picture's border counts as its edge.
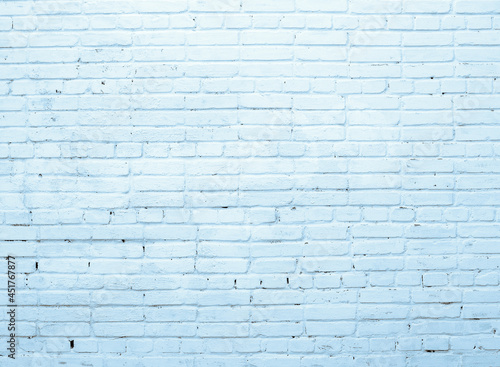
(229, 183)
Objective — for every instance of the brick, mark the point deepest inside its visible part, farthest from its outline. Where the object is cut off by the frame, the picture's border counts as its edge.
(248, 182)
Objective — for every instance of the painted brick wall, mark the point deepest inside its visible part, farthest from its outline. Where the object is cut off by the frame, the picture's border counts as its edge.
(258, 183)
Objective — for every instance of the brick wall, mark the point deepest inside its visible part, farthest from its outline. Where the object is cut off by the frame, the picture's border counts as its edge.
(264, 183)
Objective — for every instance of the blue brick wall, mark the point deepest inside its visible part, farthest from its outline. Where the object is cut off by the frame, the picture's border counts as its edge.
(255, 183)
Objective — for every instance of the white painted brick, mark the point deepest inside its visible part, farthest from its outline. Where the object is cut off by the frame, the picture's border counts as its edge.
(441, 6)
(195, 183)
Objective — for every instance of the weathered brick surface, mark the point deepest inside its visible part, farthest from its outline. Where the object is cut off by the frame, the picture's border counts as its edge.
(252, 182)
